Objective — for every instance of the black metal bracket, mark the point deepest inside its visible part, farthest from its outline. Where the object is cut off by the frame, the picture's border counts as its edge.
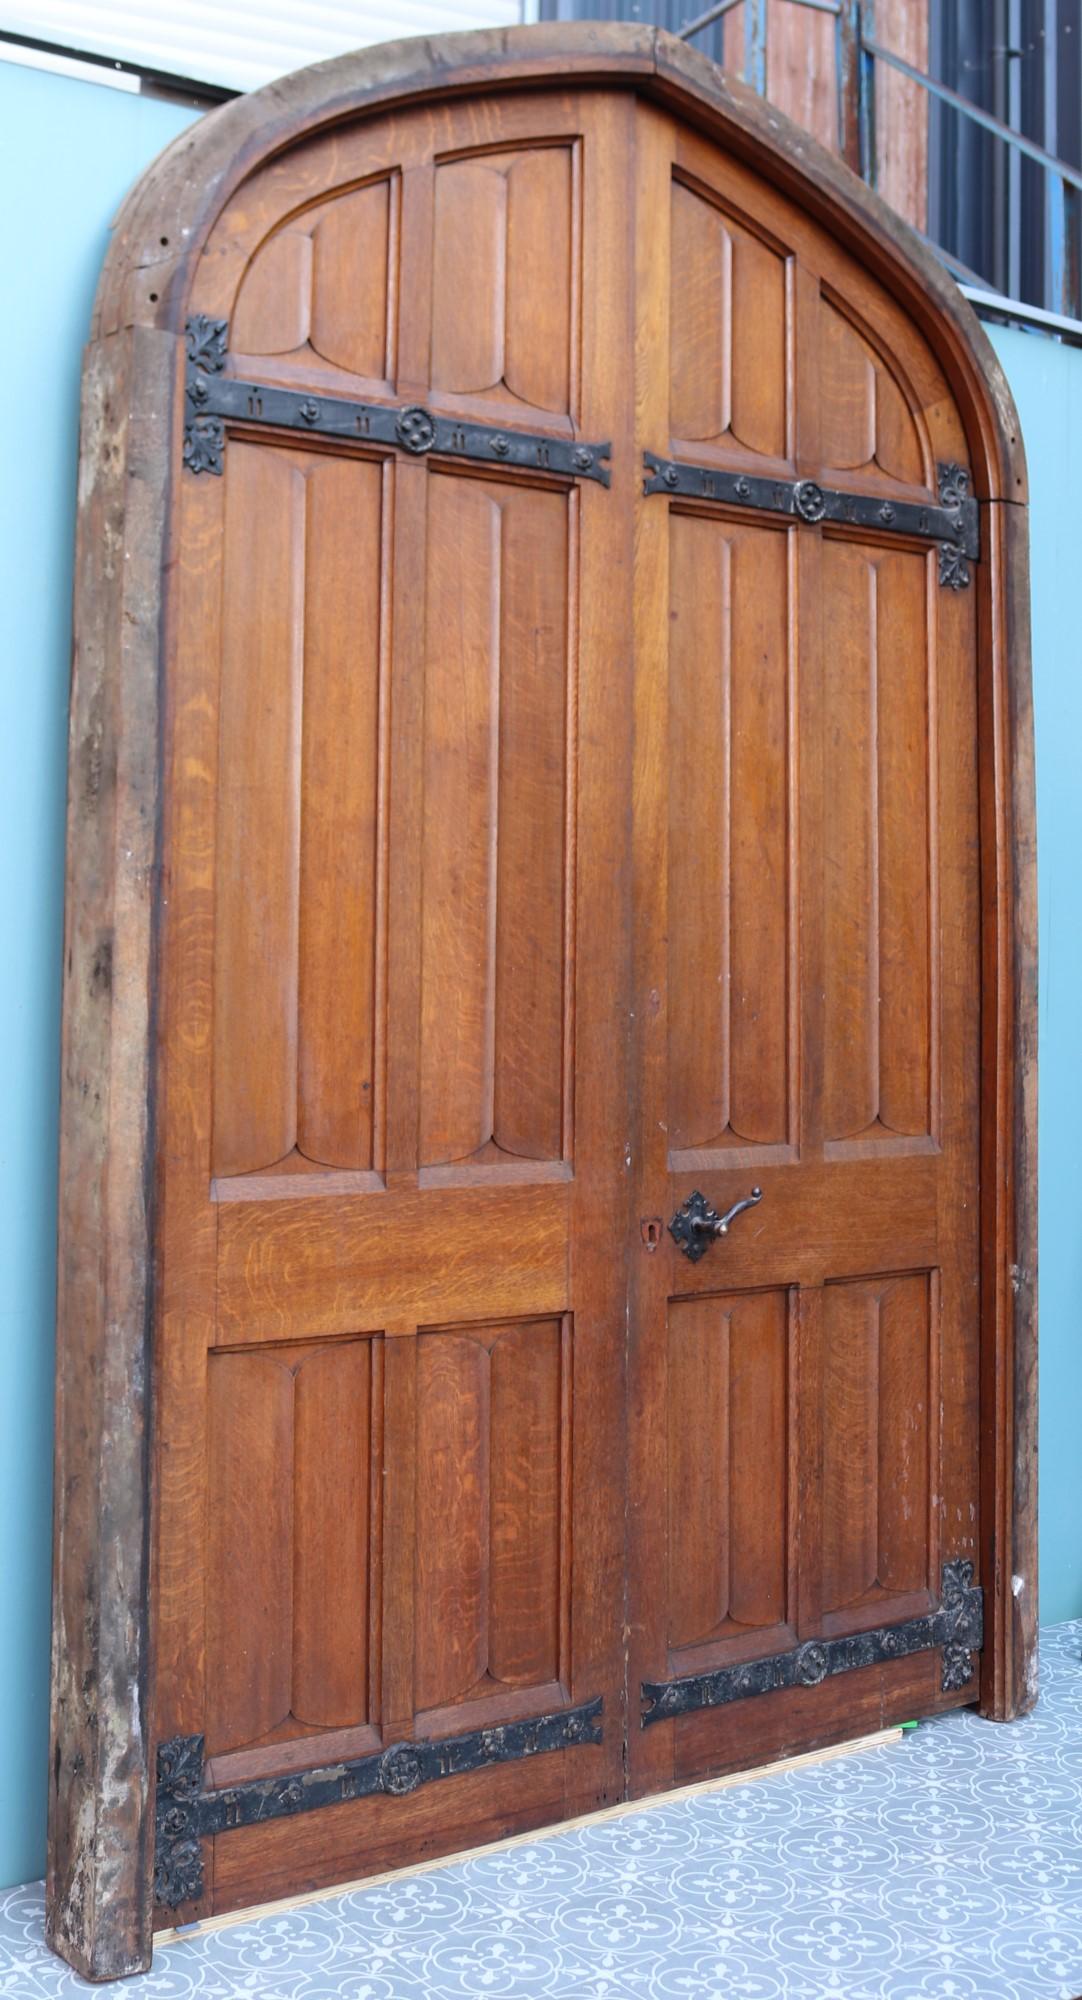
(957, 1626)
(954, 523)
(185, 1814)
(215, 400)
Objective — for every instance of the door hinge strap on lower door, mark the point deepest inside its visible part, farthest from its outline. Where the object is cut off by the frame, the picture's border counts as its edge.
(957, 1626)
(214, 400)
(954, 523)
(185, 1814)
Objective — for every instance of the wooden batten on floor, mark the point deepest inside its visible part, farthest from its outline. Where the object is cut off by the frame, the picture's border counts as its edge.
(876, 1741)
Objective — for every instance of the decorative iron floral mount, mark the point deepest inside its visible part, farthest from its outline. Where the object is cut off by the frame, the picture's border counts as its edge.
(185, 1814)
(954, 523)
(216, 401)
(957, 1627)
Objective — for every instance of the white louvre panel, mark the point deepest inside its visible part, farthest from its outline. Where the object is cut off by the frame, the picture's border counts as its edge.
(241, 43)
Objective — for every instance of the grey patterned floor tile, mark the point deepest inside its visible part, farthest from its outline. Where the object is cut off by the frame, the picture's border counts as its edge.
(19, 1982)
(948, 1867)
(476, 1962)
(924, 1978)
(348, 1980)
(22, 1921)
(1029, 1960)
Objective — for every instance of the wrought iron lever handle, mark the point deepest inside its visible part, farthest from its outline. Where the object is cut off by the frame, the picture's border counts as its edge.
(695, 1225)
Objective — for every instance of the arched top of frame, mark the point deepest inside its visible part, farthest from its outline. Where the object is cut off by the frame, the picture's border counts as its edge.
(166, 221)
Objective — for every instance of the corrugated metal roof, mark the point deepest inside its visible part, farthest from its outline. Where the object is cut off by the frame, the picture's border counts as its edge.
(241, 43)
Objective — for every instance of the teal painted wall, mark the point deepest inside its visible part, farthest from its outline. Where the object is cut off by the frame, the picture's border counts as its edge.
(69, 151)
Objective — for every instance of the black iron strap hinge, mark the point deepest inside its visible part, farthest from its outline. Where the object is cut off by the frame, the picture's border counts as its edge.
(954, 524)
(957, 1626)
(185, 1814)
(215, 400)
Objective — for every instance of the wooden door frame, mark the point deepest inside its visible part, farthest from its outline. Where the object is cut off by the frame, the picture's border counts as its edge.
(100, 1867)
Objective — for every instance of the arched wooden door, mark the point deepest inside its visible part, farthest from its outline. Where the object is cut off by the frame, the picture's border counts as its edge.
(573, 721)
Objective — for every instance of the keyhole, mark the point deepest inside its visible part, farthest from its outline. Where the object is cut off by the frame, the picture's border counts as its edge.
(650, 1231)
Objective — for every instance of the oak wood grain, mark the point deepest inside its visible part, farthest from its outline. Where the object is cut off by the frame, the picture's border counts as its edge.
(264, 1252)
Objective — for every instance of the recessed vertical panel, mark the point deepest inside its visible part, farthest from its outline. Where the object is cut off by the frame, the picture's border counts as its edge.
(494, 843)
(760, 318)
(338, 1085)
(850, 1376)
(864, 413)
(846, 393)
(531, 861)
(905, 847)
(469, 277)
(728, 1465)
(728, 834)
(729, 330)
(876, 1385)
(504, 231)
(758, 1419)
(274, 305)
(905, 1334)
(258, 857)
(331, 1483)
(539, 288)
(759, 839)
(850, 842)
(350, 278)
(249, 1596)
(526, 1525)
(460, 845)
(700, 1332)
(700, 318)
(877, 839)
(897, 442)
(452, 1567)
(700, 814)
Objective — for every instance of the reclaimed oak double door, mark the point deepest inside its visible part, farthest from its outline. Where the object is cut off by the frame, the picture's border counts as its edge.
(570, 810)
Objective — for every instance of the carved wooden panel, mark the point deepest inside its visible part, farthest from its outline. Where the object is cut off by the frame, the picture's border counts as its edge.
(880, 847)
(492, 1531)
(729, 319)
(496, 889)
(505, 236)
(730, 833)
(865, 408)
(728, 1459)
(325, 284)
(290, 1478)
(878, 1387)
(295, 1038)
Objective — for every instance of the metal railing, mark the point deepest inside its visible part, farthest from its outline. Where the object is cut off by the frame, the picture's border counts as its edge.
(857, 54)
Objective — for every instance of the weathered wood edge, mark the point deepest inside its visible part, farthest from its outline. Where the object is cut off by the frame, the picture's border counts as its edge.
(98, 1889)
(99, 1884)
(1020, 1691)
(1009, 1390)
